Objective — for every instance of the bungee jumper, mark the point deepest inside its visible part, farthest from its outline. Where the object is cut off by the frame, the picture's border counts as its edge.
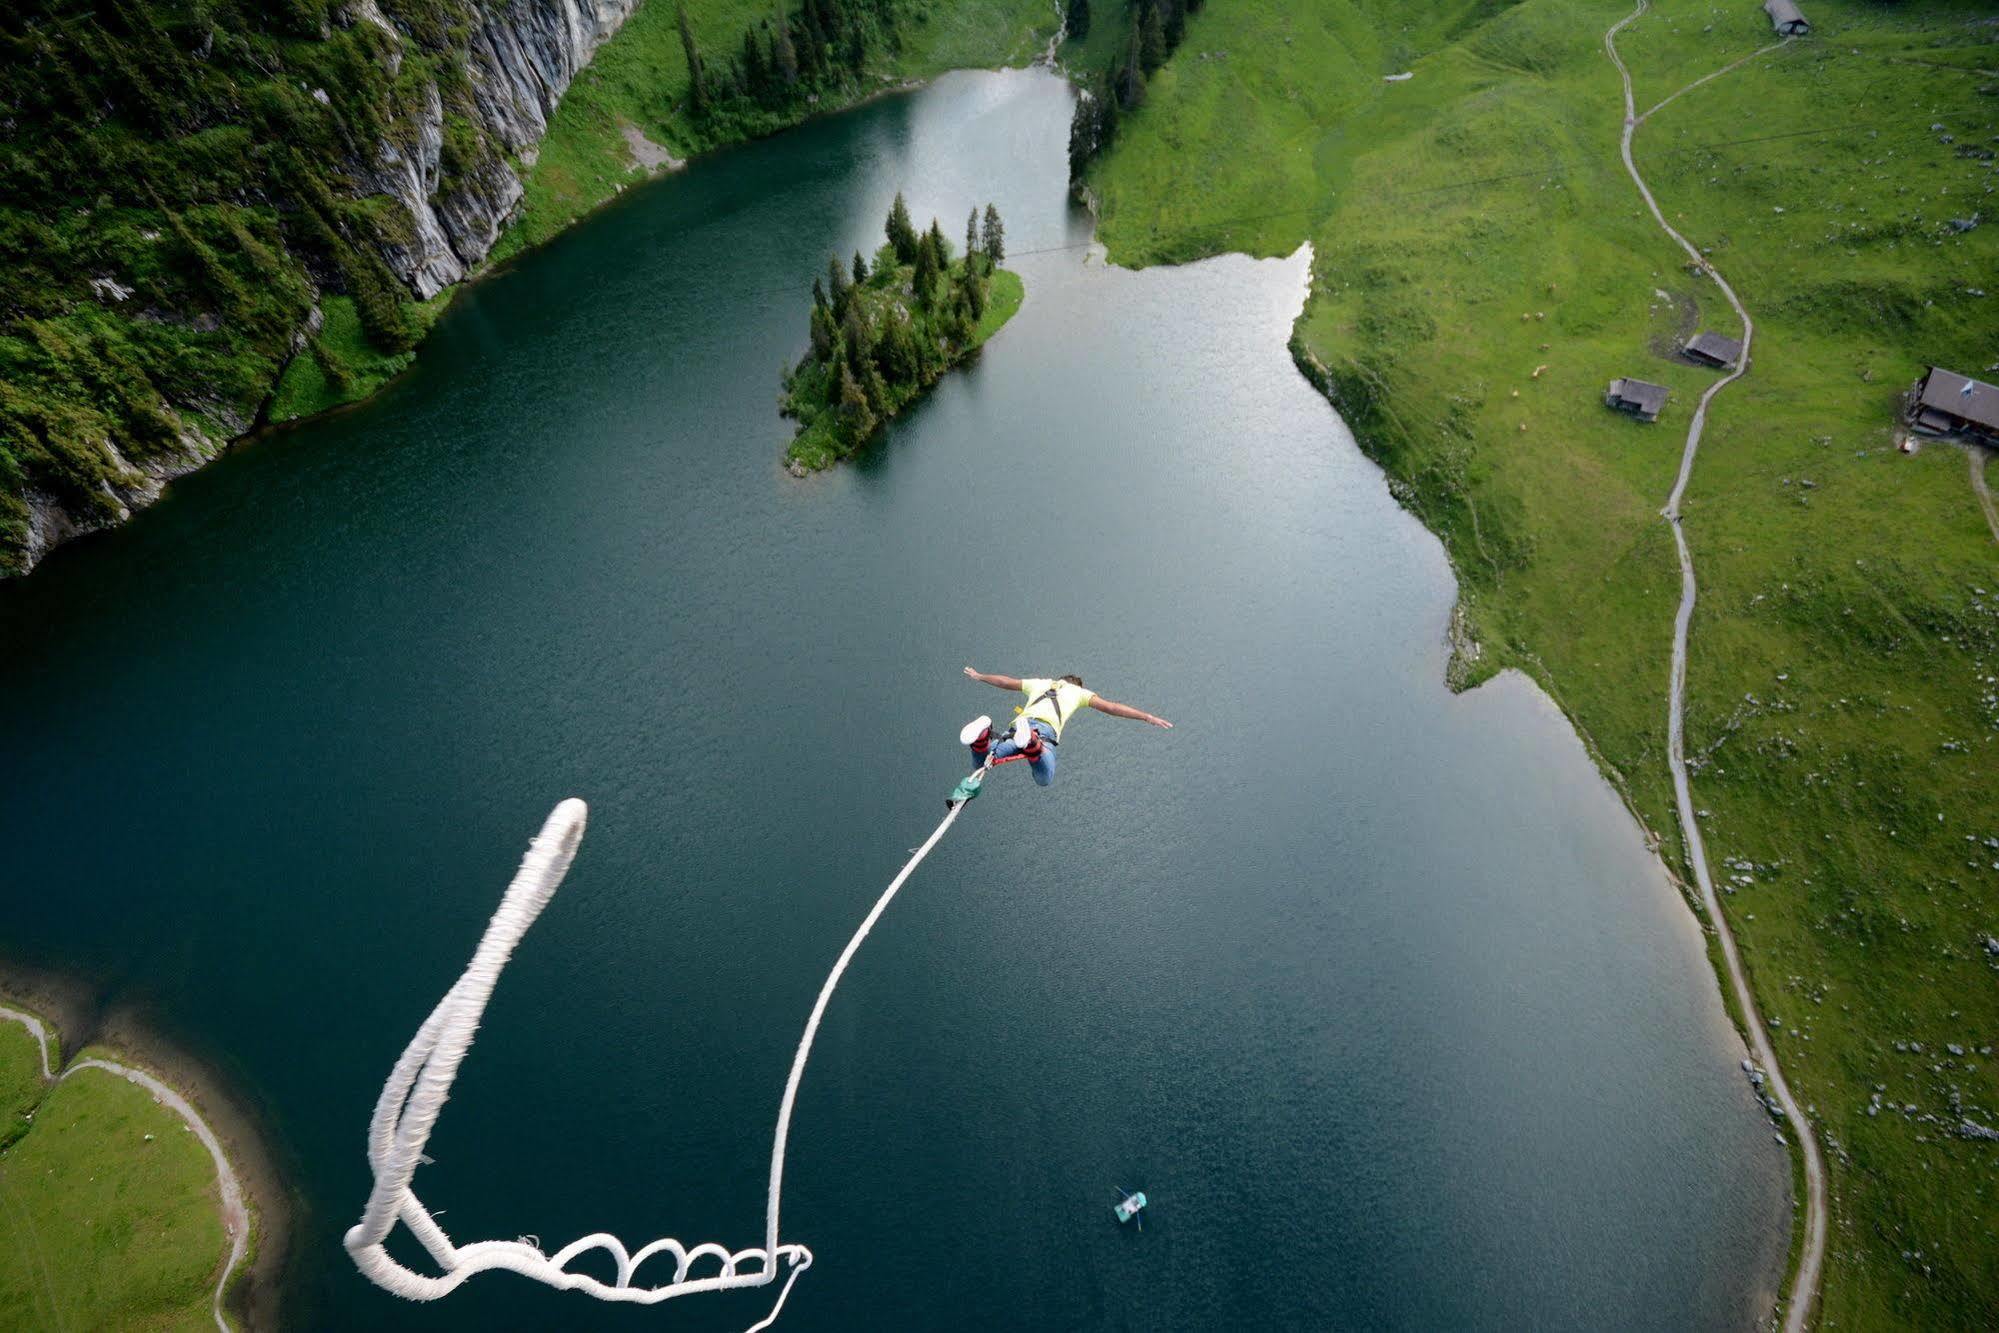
(1037, 732)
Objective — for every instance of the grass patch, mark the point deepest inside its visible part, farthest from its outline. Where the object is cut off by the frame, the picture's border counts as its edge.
(1002, 304)
(108, 1211)
(340, 365)
(1483, 266)
(20, 1080)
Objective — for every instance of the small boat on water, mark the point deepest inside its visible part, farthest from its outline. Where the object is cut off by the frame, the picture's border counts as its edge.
(1130, 1202)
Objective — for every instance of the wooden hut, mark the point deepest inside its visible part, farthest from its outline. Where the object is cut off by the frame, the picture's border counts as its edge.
(1786, 18)
(1711, 349)
(1640, 399)
(1947, 403)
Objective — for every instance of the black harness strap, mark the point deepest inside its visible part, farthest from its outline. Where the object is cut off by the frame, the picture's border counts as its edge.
(1054, 696)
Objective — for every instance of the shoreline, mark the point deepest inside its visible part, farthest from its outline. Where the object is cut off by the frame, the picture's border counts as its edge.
(1467, 668)
(250, 1194)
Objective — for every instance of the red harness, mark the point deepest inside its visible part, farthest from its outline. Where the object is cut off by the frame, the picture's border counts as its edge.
(1031, 753)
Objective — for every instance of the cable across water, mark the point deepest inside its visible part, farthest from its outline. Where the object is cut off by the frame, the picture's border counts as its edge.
(414, 1094)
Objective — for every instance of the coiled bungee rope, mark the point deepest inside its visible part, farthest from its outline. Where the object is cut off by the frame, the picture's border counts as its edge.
(416, 1089)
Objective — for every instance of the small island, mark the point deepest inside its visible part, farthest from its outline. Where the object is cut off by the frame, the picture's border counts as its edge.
(883, 333)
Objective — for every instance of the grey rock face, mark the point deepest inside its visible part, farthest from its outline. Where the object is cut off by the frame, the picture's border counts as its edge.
(521, 59)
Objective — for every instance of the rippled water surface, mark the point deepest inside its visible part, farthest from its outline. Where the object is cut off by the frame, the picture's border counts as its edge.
(1374, 990)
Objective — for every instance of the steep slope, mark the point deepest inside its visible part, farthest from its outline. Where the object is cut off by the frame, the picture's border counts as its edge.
(182, 182)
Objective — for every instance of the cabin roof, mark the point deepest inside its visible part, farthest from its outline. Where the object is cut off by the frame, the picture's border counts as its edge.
(1961, 396)
(1715, 347)
(1645, 396)
(1783, 13)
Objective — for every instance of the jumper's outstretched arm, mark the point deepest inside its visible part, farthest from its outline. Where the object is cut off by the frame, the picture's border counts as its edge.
(1002, 682)
(1116, 709)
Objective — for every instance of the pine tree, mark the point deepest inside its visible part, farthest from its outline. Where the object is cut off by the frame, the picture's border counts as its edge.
(855, 335)
(1077, 21)
(901, 231)
(783, 54)
(756, 75)
(900, 360)
(974, 288)
(836, 285)
(940, 250)
(697, 88)
(860, 269)
(1131, 79)
(873, 386)
(811, 48)
(855, 414)
(823, 333)
(926, 273)
(995, 240)
(830, 387)
(1175, 26)
(818, 294)
(1085, 134)
(971, 238)
(958, 324)
(1151, 39)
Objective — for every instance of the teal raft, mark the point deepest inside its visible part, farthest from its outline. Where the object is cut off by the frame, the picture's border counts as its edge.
(1128, 1207)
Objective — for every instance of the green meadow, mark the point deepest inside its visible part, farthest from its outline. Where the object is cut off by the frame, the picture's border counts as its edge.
(108, 1208)
(341, 365)
(1482, 268)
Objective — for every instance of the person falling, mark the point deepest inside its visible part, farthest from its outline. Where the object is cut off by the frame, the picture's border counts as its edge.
(1051, 702)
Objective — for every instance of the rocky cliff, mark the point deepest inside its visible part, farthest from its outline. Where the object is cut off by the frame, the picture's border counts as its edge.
(184, 185)
(521, 58)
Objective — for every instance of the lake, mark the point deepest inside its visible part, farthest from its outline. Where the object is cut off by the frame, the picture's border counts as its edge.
(1375, 990)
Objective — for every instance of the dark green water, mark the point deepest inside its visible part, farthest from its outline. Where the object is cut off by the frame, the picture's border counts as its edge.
(1373, 990)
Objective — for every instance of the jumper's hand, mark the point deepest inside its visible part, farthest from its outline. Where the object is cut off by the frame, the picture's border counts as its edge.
(970, 672)
(1160, 722)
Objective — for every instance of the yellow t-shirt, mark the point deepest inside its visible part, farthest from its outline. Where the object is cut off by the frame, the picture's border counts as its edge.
(1066, 701)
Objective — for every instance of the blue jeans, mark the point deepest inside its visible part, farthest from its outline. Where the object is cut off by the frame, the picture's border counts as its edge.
(1044, 767)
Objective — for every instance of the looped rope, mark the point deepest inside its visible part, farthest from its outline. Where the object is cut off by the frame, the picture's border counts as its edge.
(414, 1094)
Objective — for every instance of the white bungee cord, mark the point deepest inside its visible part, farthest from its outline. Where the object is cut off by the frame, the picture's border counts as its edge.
(408, 1108)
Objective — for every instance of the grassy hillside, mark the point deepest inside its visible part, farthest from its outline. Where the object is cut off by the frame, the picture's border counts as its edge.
(1483, 267)
(173, 189)
(108, 1211)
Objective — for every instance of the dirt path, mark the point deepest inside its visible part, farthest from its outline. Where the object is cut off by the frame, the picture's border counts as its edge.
(1811, 1255)
(1979, 457)
(235, 1214)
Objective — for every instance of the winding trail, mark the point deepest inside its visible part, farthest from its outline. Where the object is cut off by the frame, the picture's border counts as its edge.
(1979, 457)
(1811, 1256)
(235, 1213)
